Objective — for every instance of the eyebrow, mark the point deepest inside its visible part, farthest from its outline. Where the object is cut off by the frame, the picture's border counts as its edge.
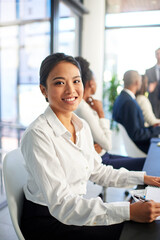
(78, 76)
(57, 78)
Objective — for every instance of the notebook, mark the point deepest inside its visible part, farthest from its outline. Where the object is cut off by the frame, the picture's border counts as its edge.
(153, 193)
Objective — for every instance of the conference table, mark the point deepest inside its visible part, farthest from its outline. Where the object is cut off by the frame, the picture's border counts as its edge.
(148, 231)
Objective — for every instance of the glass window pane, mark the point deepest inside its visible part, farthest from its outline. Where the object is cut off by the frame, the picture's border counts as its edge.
(35, 45)
(9, 69)
(67, 24)
(68, 38)
(7, 10)
(67, 43)
(34, 9)
(11, 10)
(131, 48)
(32, 103)
(133, 19)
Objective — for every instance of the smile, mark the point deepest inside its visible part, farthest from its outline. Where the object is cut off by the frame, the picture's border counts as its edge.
(69, 99)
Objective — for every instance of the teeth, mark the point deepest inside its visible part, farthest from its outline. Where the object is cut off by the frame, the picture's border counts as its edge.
(69, 99)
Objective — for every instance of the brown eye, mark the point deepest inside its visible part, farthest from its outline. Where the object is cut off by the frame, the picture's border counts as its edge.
(77, 81)
(59, 83)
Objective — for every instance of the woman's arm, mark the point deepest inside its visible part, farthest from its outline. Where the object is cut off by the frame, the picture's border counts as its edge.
(100, 127)
(109, 177)
(146, 107)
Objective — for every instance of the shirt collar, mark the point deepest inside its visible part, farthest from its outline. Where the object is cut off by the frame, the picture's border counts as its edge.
(130, 93)
(57, 126)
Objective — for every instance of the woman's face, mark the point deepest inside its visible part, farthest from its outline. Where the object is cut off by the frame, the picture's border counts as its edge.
(64, 88)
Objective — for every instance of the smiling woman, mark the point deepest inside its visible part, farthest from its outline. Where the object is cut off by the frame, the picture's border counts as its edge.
(64, 89)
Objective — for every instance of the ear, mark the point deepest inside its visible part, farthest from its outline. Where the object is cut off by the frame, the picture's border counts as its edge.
(91, 83)
(43, 90)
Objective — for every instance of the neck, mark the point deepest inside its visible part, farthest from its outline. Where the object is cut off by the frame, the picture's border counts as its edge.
(65, 119)
(132, 89)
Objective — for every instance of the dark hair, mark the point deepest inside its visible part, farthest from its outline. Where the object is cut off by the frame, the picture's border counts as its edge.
(51, 61)
(144, 86)
(85, 70)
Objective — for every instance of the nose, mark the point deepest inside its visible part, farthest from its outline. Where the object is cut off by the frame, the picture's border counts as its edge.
(70, 88)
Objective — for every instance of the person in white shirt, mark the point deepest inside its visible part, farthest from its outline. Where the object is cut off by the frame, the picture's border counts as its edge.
(91, 110)
(60, 158)
(145, 105)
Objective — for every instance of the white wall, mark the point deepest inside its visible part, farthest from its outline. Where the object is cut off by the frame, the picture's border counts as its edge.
(93, 39)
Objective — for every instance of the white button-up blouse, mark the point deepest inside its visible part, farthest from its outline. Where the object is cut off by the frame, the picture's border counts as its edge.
(58, 171)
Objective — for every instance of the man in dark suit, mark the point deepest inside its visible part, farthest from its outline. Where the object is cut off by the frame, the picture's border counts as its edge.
(153, 75)
(127, 112)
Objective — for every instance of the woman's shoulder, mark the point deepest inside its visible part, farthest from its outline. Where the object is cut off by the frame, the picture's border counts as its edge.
(142, 99)
(37, 124)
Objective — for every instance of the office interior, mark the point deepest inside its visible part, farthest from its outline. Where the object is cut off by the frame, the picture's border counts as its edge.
(113, 35)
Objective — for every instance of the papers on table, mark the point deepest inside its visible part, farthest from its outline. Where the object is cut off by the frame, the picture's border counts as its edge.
(153, 193)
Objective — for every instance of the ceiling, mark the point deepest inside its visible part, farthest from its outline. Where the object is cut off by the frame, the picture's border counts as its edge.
(117, 6)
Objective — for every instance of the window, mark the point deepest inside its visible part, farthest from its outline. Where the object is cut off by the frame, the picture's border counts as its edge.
(24, 42)
(68, 31)
(131, 41)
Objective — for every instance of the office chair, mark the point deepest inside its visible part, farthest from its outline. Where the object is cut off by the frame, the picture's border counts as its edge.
(130, 147)
(15, 177)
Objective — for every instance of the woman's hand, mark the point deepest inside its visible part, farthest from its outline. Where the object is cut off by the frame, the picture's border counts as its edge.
(150, 180)
(152, 87)
(97, 106)
(144, 212)
(97, 148)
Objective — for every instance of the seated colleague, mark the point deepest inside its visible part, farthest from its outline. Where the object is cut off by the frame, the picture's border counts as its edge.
(127, 112)
(60, 159)
(92, 111)
(145, 105)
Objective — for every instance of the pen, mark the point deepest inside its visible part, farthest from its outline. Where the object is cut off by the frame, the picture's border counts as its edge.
(140, 198)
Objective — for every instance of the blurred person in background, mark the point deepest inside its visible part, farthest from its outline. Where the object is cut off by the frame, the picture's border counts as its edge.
(145, 105)
(153, 75)
(91, 110)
